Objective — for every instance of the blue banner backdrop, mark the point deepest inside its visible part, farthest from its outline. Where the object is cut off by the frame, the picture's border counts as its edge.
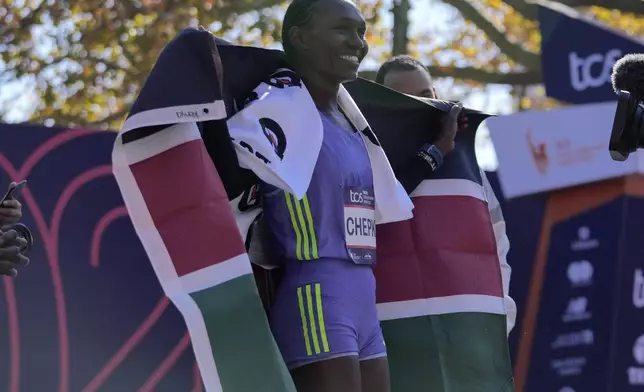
(577, 55)
(523, 218)
(627, 354)
(573, 332)
(88, 314)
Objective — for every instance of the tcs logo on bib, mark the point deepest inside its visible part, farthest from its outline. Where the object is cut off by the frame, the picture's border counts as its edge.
(356, 197)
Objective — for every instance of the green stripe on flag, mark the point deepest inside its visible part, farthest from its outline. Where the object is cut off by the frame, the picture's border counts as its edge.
(242, 344)
(460, 352)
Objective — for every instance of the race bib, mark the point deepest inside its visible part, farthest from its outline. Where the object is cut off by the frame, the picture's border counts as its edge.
(360, 224)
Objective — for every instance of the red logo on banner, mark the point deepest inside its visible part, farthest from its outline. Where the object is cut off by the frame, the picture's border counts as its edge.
(539, 153)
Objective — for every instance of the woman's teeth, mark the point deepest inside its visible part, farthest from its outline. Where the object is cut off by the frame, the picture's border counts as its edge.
(353, 59)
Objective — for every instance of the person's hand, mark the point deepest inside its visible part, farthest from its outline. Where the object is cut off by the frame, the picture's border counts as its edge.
(10, 257)
(10, 211)
(454, 122)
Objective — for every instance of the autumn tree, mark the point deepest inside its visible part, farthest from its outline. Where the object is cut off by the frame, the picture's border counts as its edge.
(84, 61)
(87, 59)
(498, 42)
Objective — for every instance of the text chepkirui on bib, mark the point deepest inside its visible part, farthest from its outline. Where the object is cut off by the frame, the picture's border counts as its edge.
(360, 224)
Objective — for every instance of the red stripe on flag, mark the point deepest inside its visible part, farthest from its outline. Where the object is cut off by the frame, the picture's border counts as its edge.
(189, 207)
(448, 248)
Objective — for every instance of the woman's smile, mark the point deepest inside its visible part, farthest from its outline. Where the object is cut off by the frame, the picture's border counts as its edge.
(352, 59)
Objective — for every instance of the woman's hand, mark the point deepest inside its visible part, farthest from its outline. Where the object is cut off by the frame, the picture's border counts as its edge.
(454, 122)
(10, 212)
(11, 257)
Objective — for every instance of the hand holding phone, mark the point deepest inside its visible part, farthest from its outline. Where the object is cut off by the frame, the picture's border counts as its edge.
(11, 255)
(15, 189)
(10, 208)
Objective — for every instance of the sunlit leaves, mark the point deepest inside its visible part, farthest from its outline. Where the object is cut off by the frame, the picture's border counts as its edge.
(82, 62)
(473, 48)
(87, 59)
(631, 24)
(378, 34)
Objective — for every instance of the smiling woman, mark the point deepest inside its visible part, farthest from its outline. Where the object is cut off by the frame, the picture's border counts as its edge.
(325, 43)
(324, 317)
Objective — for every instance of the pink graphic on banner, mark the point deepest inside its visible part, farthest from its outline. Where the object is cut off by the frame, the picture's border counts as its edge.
(48, 234)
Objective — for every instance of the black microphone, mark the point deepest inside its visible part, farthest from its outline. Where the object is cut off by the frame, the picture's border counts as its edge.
(628, 74)
(627, 134)
(24, 232)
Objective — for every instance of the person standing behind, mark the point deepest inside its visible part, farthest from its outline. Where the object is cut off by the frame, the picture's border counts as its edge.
(407, 75)
(461, 345)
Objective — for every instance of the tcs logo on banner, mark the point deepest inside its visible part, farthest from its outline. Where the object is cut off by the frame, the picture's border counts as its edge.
(592, 71)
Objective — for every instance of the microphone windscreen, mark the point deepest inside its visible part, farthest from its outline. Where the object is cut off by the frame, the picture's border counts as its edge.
(628, 75)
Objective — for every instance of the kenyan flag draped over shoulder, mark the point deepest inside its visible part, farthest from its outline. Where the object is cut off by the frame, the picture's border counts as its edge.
(440, 298)
(439, 284)
(180, 205)
(438, 278)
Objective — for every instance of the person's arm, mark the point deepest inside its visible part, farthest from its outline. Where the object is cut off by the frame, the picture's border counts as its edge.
(502, 248)
(430, 156)
(428, 159)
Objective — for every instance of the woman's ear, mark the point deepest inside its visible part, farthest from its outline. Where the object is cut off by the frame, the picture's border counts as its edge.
(296, 36)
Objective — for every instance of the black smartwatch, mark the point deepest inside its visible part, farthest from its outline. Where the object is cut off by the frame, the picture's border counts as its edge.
(432, 155)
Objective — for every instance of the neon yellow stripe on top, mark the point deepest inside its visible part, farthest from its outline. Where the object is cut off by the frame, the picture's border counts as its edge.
(298, 236)
(300, 217)
(309, 218)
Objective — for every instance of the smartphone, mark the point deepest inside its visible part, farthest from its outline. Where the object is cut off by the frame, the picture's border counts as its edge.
(14, 191)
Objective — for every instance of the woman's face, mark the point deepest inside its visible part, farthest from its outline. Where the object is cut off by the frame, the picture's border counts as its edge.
(333, 43)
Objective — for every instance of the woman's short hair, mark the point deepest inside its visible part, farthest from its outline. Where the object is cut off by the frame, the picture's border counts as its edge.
(298, 13)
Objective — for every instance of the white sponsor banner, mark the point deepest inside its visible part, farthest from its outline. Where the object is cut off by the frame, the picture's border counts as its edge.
(546, 150)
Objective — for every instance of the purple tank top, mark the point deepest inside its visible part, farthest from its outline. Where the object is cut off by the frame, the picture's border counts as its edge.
(335, 219)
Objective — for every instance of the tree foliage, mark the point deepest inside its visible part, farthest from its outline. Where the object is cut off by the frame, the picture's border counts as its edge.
(86, 60)
(500, 42)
